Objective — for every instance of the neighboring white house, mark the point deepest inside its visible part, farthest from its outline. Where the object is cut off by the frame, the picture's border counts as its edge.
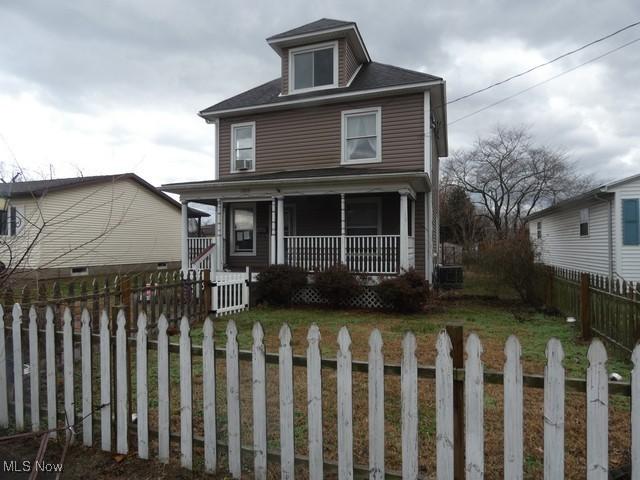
(597, 232)
(89, 225)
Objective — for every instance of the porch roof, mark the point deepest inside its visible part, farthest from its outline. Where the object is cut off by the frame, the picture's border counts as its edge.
(291, 182)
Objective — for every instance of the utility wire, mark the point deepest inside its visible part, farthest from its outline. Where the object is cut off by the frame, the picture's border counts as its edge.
(545, 81)
(564, 55)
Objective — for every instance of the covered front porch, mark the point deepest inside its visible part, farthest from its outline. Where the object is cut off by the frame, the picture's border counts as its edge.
(375, 227)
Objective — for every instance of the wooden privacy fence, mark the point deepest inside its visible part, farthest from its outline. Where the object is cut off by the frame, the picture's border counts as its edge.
(451, 382)
(611, 310)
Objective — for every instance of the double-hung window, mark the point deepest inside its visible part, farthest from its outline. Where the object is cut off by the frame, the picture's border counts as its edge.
(361, 136)
(584, 222)
(631, 221)
(243, 223)
(539, 230)
(9, 221)
(243, 147)
(313, 67)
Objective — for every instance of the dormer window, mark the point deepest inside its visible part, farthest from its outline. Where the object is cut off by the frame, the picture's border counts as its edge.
(313, 67)
(243, 147)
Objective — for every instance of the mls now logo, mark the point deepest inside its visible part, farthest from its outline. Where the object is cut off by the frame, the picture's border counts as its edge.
(26, 466)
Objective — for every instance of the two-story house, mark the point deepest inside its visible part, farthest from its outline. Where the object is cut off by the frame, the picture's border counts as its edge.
(335, 161)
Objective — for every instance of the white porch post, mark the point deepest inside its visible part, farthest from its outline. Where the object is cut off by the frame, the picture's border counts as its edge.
(404, 231)
(343, 231)
(185, 237)
(280, 231)
(219, 236)
(273, 257)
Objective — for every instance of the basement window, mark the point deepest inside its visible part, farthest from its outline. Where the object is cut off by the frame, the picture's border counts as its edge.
(584, 222)
(162, 266)
(79, 271)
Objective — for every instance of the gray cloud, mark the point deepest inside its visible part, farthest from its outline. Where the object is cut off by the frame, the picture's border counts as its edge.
(99, 58)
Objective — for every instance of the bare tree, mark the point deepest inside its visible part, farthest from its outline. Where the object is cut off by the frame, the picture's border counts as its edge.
(508, 176)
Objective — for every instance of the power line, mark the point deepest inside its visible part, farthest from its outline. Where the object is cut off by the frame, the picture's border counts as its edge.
(564, 55)
(545, 81)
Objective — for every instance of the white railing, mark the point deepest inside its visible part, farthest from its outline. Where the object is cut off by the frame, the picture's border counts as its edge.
(378, 254)
(312, 253)
(374, 254)
(89, 400)
(196, 246)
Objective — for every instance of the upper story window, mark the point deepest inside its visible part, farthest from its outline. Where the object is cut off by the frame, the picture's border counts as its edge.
(243, 147)
(313, 67)
(584, 222)
(361, 136)
(631, 221)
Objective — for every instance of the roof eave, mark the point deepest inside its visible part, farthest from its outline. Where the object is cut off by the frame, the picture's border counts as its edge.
(336, 97)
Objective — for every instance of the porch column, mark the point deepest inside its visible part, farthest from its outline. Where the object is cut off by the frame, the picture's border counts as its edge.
(219, 263)
(404, 231)
(273, 257)
(280, 231)
(343, 231)
(185, 237)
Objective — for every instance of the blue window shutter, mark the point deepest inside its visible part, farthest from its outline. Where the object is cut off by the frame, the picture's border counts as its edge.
(630, 222)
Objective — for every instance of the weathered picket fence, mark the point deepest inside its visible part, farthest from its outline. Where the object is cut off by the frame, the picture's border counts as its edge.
(99, 339)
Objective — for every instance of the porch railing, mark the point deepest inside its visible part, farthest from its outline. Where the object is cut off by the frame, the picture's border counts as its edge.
(198, 247)
(373, 254)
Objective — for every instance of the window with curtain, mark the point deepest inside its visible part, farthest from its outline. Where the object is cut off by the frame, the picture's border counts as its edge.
(584, 222)
(244, 230)
(361, 136)
(631, 221)
(313, 67)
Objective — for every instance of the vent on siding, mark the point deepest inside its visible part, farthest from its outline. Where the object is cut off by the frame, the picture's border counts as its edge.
(79, 271)
(162, 266)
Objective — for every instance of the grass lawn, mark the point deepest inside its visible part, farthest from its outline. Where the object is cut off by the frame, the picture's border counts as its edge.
(493, 314)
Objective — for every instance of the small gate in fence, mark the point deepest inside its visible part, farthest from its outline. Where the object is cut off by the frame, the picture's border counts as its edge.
(230, 292)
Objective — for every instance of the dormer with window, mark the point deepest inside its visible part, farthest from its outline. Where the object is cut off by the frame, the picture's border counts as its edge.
(320, 55)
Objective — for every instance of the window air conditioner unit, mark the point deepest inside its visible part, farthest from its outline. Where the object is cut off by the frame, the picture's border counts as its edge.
(243, 165)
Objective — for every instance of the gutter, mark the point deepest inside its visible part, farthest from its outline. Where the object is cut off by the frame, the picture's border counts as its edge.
(172, 187)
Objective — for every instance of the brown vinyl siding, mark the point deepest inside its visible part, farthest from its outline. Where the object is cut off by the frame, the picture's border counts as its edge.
(261, 258)
(350, 64)
(311, 137)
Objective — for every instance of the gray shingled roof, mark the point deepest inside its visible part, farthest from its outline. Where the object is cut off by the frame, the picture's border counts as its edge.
(317, 26)
(38, 188)
(371, 76)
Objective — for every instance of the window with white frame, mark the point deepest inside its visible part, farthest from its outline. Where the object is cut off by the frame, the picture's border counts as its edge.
(243, 147)
(361, 136)
(243, 225)
(363, 216)
(9, 221)
(584, 222)
(313, 67)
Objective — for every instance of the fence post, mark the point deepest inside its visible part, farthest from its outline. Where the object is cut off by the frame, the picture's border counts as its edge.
(456, 334)
(585, 306)
(550, 276)
(206, 286)
(125, 301)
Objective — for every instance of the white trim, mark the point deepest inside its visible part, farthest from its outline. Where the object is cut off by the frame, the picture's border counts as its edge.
(216, 165)
(321, 99)
(428, 165)
(353, 76)
(232, 209)
(370, 199)
(360, 112)
(275, 41)
(312, 48)
(233, 150)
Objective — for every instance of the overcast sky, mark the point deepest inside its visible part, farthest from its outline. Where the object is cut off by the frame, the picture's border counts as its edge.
(113, 86)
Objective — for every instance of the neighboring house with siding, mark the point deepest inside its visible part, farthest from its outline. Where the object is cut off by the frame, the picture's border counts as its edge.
(597, 232)
(335, 161)
(88, 225)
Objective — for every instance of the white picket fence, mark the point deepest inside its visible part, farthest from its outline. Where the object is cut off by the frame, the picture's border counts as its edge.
(230, 292)
(596, 387)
